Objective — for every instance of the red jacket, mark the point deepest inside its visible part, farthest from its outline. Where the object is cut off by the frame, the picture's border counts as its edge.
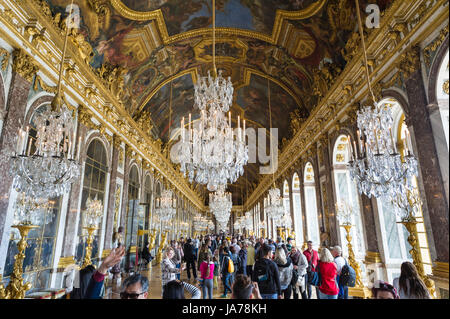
(315, 258)
(328, 272)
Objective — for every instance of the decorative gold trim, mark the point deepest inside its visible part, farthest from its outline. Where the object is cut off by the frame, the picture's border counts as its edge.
(363, 292)
(441, 270)
(105, 253)
(373, 257)
(157, 15)
(64, 262)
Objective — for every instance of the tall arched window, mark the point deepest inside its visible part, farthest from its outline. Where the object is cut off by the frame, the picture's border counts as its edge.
(346, 191)
(298, 222)
(442, 94)
(312, 219)
(40, 252)
(148, 209)
(286, 200)
(132, 221)
(94, 186)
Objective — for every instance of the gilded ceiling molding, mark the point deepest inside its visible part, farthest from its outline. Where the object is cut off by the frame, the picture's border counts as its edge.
(434, 45)
(157, 15)
(24, 65)
(192, 71)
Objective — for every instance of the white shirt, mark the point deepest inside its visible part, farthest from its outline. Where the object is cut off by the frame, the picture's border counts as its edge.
(340, 262)
(236, 247)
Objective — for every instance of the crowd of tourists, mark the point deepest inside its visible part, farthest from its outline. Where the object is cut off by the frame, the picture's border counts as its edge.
(249, 268)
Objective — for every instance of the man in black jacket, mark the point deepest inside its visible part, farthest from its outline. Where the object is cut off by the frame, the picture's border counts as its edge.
(266, 274)
(190, 257)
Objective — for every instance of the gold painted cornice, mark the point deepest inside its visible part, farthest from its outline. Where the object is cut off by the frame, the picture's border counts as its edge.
(441, 270)
(64, 262)
(386, 58)
(372, 257)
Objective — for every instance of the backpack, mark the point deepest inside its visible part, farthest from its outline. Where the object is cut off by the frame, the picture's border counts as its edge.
(348, 276)
(262, 274)
(230, 266)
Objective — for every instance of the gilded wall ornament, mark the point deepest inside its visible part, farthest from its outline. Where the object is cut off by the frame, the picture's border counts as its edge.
(409, 62)
(5, 54)
(24, 65)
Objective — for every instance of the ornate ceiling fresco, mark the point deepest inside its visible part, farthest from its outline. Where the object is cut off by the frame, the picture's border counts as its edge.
(301, 46)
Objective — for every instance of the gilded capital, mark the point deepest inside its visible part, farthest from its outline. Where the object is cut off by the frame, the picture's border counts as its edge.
(409, 61)
(24, 65)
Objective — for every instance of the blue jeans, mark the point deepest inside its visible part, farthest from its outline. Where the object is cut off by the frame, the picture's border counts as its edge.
(226, 283)
(325, 296)
(178, 267)
(269, 296)
(207, 288)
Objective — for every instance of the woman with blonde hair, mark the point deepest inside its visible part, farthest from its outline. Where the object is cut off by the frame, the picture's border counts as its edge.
(169, 269)
(328, 288)
(285, 269)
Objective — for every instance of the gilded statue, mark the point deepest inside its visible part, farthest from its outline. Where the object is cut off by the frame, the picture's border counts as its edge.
(84, 48)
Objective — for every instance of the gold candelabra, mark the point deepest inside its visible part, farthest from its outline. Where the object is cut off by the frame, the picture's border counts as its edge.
(87, 257)
(152, 240)
(411, 226)
(161, 246)
(351, 256)
(16, 288)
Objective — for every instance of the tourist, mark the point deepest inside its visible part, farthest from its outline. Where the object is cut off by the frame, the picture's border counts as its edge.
(340, 262)
(250, 258)
(242, 269)
(135, 287)
(169, 269)
(300, 264)
(285, 269)
(175, 290)
(216, 270)
(289, 244)
(190, 257)
(96, 284)
(244, 288)
(236, 262)
(383, 290)
(226, 272)
(328, 288)
(83, 279)
(271, 245)
(235, 245)
(409, 285)
(265, 273)
(312, 257)
(259, 244)
(207, 274)
(203, 254)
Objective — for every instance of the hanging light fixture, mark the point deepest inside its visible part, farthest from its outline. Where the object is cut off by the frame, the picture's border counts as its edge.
(211, 153)
(165, 206)
(52, 167)
(273, 204)
(375, 163)
(220, 202)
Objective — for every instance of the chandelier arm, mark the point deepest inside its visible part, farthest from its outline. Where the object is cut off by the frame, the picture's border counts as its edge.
(361, 32)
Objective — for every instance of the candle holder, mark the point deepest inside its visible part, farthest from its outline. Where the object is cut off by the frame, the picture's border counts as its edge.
(408, 206)
(161, 247)
(16, 288)
(87, 257)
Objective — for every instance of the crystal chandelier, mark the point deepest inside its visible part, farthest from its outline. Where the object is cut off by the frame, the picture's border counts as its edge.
(248, 222)
(211, 153)
(220, 202)
(93, 213)
(51, 168)
(286, 221)
(32, 211)
(274, 205)
(375, 164)
(166, 206)
(344, 213)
